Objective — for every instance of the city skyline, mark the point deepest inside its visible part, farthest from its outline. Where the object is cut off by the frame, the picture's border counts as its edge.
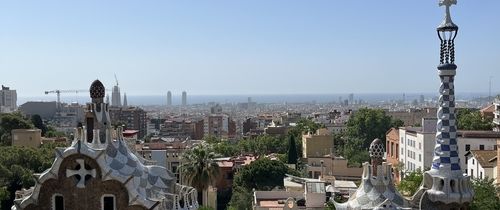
(282, 47)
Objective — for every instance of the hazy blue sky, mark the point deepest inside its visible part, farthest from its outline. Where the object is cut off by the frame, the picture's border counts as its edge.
(244, 47)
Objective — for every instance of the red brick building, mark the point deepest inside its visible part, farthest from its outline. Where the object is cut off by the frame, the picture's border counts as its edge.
(392, 148)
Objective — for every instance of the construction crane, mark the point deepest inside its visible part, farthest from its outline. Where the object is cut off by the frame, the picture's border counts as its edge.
(58, 92)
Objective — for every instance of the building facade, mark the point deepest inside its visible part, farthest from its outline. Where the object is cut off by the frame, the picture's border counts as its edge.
(392, 148)
(496, 119)
(134, 118)
(318, 144)
(8, 100)
(27, 137)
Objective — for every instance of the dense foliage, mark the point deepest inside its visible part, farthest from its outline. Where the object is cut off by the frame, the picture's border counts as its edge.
(411, 182)
(469, 119)
(17, 165)
(262, 174)
(10, 121)
(304, 125)
(363, 127)
(485, 194)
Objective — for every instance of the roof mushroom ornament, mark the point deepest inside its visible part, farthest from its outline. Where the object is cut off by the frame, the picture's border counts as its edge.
(97, 90)
(376, 154)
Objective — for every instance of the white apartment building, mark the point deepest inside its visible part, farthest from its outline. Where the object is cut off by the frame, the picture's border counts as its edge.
(417, 144)
(8, 100)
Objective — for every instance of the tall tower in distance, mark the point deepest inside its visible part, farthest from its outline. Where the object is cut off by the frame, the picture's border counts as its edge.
(169, 98)
(446, 186)
(125, 103)
(184, 98)
(116, 97)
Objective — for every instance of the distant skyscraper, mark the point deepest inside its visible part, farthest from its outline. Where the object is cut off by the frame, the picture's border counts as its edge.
(8, 99)
(116, 98)
(422, 99)
(107, 99)
(125, 104)
(169, 98)
(351, 98)
(184, 98)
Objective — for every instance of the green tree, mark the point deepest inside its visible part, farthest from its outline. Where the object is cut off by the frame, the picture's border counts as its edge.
(469, 119)
(486, 194)
(262, 174)
(225, 148)
(355, 152)
(241, 199)
(304, 125)
(411, 182)
(9, 122)
(17, 165)
(4, 195)
(292, 151)
(38, 123)
(369, 124)
(199, 168)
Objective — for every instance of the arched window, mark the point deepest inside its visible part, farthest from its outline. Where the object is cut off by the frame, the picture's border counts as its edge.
(57, 202)
(108, 202)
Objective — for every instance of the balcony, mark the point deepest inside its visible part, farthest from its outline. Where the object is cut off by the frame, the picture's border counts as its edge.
(496, 121)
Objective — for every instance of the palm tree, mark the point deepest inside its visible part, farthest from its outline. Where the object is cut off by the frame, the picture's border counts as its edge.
(199, 168)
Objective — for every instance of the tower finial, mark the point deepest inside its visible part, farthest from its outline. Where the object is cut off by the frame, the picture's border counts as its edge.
(447, 23)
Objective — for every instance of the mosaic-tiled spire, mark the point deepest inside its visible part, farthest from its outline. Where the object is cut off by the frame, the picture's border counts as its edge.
(446, 186)
(446, 149)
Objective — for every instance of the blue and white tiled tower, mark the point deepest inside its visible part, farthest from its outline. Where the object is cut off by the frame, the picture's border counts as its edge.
(446, 186)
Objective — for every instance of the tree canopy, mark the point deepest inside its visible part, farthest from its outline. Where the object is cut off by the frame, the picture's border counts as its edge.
(469, 119)
(17, 165)
(262, 174)
(485, 194)
(411, 182)
(9, 122)
(363, 127)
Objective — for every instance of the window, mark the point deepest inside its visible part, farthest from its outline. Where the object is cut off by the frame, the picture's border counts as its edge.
(419, 145)
(472, 173)
(467, 147)
(57, 202)
(397, 149)
(108, 202)
(481, 147)
(420, 157)
(473, 161)
(481, 175)
(402, 142)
